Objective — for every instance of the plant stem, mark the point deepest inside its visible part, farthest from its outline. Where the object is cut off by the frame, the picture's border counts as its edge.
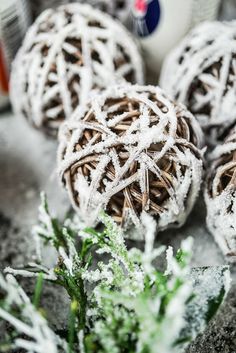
(38, 290)
(72, 325)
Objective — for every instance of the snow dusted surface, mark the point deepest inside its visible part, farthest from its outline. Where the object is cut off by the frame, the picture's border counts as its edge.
(27, 167)
(27, 164)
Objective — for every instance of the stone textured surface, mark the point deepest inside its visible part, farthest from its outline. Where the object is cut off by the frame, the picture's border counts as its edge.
(220, 336)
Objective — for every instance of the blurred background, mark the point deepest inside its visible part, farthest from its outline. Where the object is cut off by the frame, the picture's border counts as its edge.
(158, 25)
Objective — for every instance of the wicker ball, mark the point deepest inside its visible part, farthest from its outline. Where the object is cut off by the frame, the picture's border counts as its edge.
(220, 196)
(201, 73)
(67, 53)
(131, 150)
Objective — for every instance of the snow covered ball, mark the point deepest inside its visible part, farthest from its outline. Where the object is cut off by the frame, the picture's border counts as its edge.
(220, 196)
(131, 150)
(68, 54)
(201, 73)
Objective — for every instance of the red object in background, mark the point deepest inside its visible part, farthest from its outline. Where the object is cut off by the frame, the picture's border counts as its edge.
(3, 74)
(141, 6)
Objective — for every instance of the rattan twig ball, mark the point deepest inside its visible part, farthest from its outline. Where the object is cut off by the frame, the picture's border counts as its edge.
(220, 196)
(68, 54)
(201, 73)
(131, 150)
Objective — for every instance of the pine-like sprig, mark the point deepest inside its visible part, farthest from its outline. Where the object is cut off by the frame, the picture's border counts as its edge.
(119, 300)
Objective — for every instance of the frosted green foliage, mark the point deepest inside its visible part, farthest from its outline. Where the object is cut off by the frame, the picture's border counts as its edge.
(120, 301)
(31, 330)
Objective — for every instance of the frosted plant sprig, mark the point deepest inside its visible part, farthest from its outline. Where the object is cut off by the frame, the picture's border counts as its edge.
(33, 332)
(119, 300)
(157, 311)
(120, 267)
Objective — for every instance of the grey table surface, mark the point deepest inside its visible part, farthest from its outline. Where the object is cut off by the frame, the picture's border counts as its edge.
(28, 166)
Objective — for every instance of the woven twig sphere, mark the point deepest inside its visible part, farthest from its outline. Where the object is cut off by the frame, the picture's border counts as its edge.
(132, 150)
(220, 196)
(201, 73)
(67, 53)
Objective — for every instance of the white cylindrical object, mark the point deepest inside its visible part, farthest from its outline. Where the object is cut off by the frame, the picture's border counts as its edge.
(160, 24)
